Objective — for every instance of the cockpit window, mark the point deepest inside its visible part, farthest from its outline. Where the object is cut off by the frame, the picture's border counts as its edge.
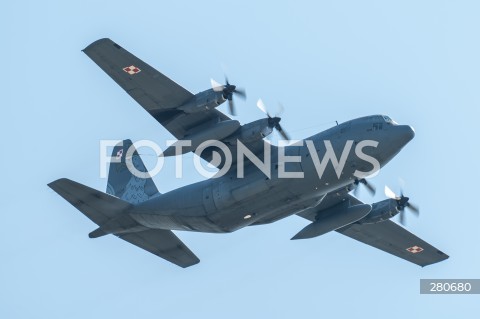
(389, 120)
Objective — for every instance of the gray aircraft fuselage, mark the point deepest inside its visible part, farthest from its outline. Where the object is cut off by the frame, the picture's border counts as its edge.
(228, 203)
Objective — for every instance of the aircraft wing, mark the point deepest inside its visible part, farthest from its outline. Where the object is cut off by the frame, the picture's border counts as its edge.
(396, 240)
(156, 93)
(387, 236)
(164, 244)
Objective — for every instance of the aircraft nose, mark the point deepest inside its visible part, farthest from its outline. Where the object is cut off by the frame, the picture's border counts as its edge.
(407, 133)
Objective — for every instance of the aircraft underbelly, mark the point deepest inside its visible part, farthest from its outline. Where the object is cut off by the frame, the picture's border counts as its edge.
(273, 204)
(233, 204)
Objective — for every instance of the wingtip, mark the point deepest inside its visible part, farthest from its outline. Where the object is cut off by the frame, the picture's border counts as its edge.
(95, 43)
(193, 263)
(57, 181)
(99, 232)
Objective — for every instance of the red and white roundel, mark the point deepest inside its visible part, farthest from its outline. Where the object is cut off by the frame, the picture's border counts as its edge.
(132, 69)
(415, 249)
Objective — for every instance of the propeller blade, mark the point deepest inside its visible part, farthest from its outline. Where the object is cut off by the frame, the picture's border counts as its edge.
(241, 93)
(231, 107)
(371, 189)
(282, 132)
(273, 122)
(227, 91)
(389, 193)
(280, 109)
(217, 87)
(402, 202)
(262, 107)
(413, 208)
(402, 217)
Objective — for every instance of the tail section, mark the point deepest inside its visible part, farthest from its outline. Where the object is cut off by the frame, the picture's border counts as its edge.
(111, 214)
(112, 211)
(122, 182)
(97, 206)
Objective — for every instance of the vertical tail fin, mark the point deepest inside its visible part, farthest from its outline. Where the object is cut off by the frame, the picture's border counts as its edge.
(122, 183)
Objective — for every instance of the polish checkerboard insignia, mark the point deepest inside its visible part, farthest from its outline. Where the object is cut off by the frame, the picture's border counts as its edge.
(415, 249)
(132, 69)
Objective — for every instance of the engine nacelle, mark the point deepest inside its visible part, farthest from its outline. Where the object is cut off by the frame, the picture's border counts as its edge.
(216, 132)
(381, 211)
(251, 132)
(334, 218)
(203, 101)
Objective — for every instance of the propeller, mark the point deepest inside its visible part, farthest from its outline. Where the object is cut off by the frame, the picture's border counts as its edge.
(228, 90)
(370, 188)
(274, 122)
(402, 203)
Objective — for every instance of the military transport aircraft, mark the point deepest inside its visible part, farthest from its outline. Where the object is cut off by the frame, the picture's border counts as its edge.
(133, 209)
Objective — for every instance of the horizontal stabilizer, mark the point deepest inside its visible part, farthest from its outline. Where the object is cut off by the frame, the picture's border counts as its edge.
(97, 206)
(105, 210)
(164, 244)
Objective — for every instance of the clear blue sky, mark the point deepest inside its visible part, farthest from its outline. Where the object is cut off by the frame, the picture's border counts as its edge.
(417, 61)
